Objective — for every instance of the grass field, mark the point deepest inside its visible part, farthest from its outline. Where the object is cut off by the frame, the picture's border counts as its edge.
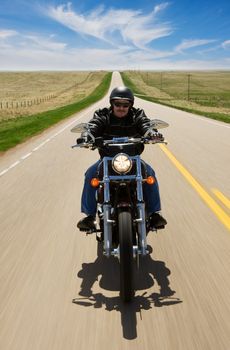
(31, 102)
(27, 93)
(16, 130)
(204, 93)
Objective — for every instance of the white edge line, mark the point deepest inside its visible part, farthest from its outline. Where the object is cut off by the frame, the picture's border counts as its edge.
(14, 164)
(207, 120)
(4, 171)
(10, 167)
(26, 156)
(43, 143)
(74, 121)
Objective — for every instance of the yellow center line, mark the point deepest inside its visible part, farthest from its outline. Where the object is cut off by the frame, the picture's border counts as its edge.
(221, 197)
(220, 213)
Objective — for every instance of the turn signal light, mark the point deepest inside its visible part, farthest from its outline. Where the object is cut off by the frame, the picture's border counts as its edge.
(94, 182)
(150, 180)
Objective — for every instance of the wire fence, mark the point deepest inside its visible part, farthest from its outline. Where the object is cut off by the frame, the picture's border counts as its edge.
(208, 89)
(26, 103)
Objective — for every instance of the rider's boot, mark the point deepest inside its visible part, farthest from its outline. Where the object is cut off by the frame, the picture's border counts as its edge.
(87, 223)
(157, 221)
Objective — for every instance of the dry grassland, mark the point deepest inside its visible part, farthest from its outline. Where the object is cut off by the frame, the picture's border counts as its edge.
(27, 93)
(203, 91)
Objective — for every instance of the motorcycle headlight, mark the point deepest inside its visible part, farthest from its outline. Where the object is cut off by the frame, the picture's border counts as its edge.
(121, 163)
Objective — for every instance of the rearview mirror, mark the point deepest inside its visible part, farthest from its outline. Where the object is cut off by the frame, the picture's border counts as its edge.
(79, 128)
(158, 124)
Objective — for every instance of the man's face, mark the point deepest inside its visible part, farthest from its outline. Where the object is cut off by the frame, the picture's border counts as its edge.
(121, 108)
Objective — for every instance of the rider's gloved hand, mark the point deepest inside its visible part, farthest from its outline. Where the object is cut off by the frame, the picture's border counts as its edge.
(150, 132)
(80, 140)
(154, 135)
(99, 142)
(85, 138)
(157, 137)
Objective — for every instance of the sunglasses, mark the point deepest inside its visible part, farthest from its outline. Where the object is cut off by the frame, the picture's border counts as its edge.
(120, 104)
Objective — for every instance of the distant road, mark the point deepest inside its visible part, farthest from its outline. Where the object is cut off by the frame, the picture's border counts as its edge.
(183, 288)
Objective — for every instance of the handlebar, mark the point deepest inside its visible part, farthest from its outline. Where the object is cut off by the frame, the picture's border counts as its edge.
(118, 141)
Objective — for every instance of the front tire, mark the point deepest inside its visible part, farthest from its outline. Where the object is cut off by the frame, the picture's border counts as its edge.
(126, 255)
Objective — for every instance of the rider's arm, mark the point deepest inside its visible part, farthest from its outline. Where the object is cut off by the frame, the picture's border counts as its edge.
(98, 122)
(142, 121)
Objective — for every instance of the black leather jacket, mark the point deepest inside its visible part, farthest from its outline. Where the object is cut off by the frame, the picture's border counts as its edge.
(107, 125)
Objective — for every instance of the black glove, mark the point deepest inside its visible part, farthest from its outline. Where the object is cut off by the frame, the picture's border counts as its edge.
(80, 140)
(154, 135)
(85, 138)
(99, 142)
(157, 137)
(150, 132)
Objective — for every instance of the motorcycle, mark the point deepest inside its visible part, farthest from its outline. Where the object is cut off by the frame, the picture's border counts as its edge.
(122, 221)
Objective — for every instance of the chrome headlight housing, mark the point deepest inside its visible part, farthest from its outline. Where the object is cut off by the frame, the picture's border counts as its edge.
(122, 163)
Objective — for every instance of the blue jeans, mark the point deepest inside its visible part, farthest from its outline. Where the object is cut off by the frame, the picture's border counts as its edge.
(88, 199)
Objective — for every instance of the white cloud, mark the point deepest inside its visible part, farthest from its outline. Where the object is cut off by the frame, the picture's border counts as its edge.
(141, 32)
(147, 56)
(34, 41)
(45, 43)
(188, 44)
(7, 33)
(135, 28)
(129, 33)
(27, 58)
(226, 44)
(160, 7)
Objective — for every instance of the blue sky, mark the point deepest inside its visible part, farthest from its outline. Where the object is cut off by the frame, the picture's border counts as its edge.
(114, 35)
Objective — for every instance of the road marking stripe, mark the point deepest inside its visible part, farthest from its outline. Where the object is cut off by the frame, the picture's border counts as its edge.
(220, 213)
(41, 145)
(221, 197)
(197, 116)
(3, 172)
(10, 167)
(208, 120)
(26, 156)
(14, 164)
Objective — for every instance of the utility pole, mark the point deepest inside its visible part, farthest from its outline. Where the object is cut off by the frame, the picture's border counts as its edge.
(161, 80)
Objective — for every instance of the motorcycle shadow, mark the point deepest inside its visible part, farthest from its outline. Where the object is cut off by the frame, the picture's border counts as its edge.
(107, 272)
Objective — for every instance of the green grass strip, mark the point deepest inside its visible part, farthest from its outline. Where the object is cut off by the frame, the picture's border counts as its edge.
(217, 116)
(15, 131)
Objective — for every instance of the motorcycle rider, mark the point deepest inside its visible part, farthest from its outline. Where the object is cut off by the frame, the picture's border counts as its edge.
(119, 120)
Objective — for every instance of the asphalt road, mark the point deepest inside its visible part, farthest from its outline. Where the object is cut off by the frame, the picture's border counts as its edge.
(57, 291)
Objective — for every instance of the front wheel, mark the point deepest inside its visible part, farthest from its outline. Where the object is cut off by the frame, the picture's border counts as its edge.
(126, 255)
